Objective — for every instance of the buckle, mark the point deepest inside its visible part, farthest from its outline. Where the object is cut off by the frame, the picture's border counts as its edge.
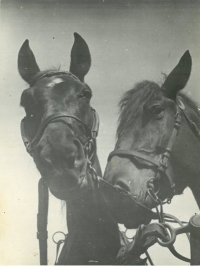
(42, 235)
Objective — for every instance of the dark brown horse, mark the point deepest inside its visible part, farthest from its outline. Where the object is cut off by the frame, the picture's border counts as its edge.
(59, 132)
(157, 152)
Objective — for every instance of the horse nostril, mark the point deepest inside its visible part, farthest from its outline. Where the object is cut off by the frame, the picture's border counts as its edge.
(70, 160)
(123, 185)
(156, 185)
(153, 185)
(45, 154)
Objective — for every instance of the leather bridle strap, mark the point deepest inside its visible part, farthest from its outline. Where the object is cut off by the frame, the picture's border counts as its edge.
(60, 116)
(166, 155)
(52, 73)
(136, 154)
(42, 217)
(57, 117)
(104, 185)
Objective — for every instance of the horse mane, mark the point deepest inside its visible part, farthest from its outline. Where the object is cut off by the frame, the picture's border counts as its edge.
(193, 106)
(131, 103)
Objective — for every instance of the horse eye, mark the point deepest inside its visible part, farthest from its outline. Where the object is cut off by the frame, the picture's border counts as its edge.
(29, 113)
(158, 111)
(87, 94)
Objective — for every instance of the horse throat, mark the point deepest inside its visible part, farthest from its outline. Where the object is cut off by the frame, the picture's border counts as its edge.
(185, 160)
(91, 232)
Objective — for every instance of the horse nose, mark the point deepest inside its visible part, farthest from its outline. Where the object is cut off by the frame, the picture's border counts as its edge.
(153, 185)
(60, 154)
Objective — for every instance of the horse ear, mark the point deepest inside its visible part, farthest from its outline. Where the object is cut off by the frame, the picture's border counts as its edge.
(179, 76)
(27, 65)
(80, 57)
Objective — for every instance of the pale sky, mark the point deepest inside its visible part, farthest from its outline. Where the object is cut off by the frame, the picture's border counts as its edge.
(128, 43)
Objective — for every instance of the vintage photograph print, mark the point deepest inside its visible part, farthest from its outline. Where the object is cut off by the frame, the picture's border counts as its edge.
(100, 132)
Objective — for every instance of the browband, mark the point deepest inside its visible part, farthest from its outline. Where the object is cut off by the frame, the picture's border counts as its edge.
(52, 73)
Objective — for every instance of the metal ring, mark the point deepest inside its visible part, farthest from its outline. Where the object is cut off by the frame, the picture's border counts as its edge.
(130, 238)
(58, 232)
(171, 240)
(153, 196)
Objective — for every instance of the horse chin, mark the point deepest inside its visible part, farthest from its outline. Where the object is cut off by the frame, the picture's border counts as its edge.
(135, 223)
(126, 211)
(59, 185)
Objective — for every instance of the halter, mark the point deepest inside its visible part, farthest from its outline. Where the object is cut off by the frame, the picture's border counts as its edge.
(31, 144)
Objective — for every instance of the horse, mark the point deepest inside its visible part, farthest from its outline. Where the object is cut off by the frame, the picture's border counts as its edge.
(59, 132)
(157, 149)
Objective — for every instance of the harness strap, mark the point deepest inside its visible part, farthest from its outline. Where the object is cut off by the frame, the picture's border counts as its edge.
(104, 185)
(145, 237)
(42, 234)
(166, 155)
(161, 165)
(52, 73)
(134, 154)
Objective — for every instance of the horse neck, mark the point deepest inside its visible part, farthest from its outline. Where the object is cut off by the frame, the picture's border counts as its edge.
(185, 158)
(89, 222)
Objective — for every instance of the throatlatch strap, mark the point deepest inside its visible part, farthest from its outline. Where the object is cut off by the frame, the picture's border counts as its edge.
(42, 234)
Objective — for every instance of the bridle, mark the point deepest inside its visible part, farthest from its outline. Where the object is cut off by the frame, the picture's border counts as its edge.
(56, 117)
(161, 172)
(67, 119)
(161, 166)
(89, 149)
(30, 144)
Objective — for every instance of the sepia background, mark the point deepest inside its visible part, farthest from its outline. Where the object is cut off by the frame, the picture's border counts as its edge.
(129, 41)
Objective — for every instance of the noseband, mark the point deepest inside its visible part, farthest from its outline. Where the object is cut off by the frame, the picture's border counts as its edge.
(57, 117)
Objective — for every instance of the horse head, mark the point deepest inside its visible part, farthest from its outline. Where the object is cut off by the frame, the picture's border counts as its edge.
(150, 161)
(59, 120)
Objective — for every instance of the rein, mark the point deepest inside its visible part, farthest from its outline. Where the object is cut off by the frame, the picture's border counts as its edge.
(30, 144)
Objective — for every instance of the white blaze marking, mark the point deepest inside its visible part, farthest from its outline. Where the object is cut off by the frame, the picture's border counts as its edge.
(55, 81)
(58, 80)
